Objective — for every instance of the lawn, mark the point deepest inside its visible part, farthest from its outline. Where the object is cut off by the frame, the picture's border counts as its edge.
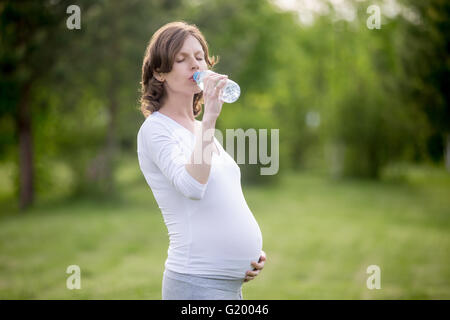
(319, 234)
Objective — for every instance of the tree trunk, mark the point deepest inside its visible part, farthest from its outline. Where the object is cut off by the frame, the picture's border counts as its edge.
(111, 142)
(26, 169)
(447, 151)
(100, 172)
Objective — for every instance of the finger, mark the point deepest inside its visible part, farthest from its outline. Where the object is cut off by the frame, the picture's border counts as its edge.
(218, 89)
(252, 273)
(258, 266)
(213, 77)
(220, 84)
(207, 78)
(262, 257)
(218, 76)
(210, 74)
(218, 79)
(207, 82)
(211, 83)
(223, 82)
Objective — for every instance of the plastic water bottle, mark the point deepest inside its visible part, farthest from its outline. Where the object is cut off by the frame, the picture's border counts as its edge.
(231, 91)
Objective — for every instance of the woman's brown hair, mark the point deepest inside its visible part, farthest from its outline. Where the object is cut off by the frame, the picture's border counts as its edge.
(159, 57)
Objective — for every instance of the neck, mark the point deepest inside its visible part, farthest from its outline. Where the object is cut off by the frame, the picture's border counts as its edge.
(178, 106)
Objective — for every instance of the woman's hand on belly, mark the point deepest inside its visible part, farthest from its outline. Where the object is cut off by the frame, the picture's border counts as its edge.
(258, 266)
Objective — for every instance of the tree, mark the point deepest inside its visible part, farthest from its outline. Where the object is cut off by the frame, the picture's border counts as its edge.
(425, 57)
(31, 38)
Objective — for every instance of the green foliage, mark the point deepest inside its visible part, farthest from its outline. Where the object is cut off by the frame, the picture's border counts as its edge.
(381, 95)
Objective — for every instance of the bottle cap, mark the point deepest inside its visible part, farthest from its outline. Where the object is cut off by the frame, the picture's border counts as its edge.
(196, 75)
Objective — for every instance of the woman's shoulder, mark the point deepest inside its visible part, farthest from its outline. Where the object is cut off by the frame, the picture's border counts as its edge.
(158, 126)
(153, 121)
(153, 127)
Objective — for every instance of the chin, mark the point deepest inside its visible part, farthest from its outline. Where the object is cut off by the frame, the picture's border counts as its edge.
(197, 90)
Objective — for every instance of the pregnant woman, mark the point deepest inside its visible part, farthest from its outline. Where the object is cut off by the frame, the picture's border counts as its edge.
(215, 242)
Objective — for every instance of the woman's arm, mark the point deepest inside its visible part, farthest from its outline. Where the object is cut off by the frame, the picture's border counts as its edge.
(199, 166)
(200, 162)
(166, 153)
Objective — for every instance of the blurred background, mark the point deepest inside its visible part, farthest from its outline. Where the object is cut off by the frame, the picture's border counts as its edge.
(364, 122)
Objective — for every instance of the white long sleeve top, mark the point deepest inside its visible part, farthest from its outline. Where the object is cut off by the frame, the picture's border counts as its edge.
(212, 231)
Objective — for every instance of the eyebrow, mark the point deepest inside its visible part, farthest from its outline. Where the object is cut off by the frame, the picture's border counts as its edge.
(185, 53)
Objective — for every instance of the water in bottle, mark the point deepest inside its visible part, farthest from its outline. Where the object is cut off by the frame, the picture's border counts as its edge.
(231, 91)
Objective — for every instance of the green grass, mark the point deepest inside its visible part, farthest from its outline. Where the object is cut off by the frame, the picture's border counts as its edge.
(320, 235)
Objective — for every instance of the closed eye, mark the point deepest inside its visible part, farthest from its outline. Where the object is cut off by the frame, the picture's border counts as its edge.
(199, 59)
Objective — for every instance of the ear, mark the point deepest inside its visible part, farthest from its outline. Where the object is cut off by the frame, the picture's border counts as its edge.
(159, 76)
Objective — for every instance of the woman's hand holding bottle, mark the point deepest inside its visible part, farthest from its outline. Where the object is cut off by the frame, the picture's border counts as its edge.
(213, 84)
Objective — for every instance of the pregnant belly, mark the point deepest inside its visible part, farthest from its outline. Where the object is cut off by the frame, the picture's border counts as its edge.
(225, 235)
(232, 239)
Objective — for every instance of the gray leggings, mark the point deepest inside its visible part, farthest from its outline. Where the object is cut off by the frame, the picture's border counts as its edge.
(180, 286)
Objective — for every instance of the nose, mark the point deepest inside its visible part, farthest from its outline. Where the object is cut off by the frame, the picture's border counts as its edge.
(195, 64)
